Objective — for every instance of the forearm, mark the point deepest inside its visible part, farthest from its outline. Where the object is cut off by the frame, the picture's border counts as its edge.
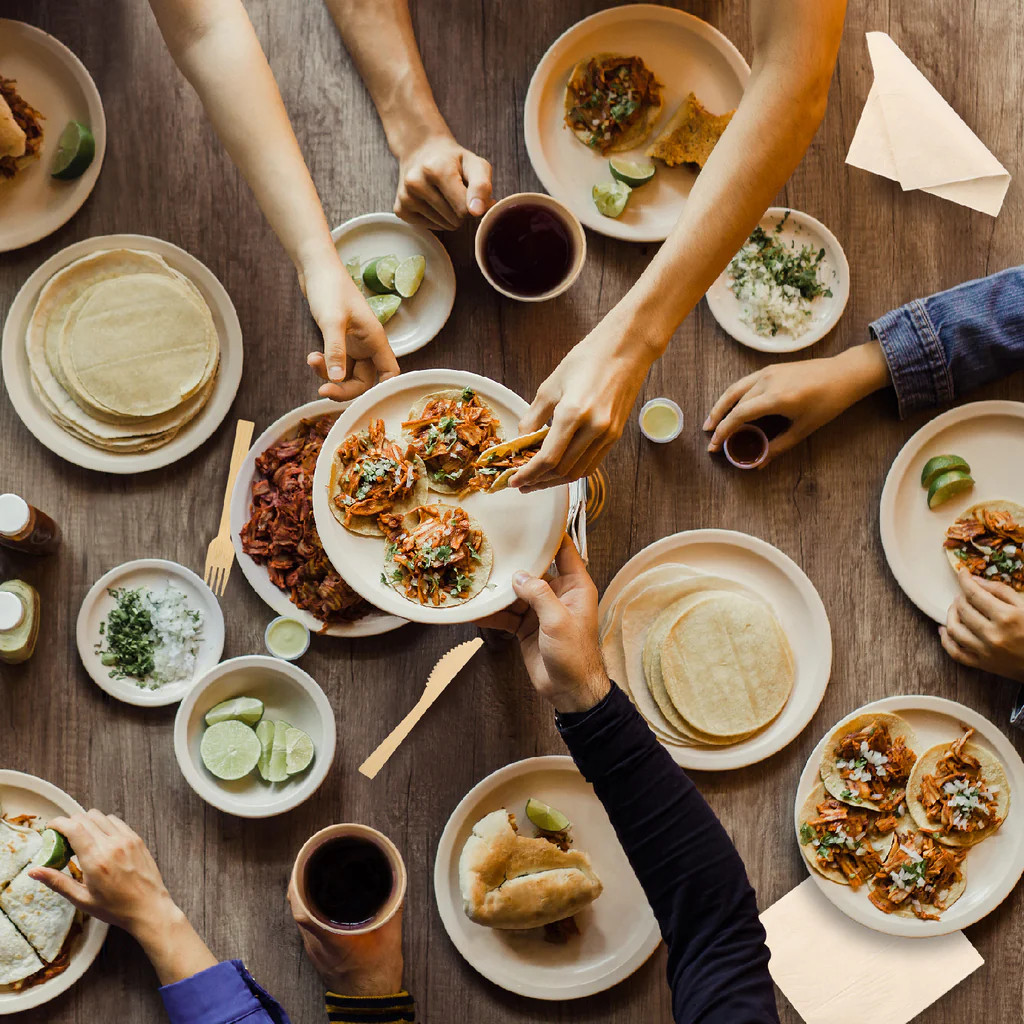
(393, 74)
(172, 945)
(214, 45)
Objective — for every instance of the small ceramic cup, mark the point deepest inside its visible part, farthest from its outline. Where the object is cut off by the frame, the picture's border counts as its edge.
(568, 218)
(399, 877)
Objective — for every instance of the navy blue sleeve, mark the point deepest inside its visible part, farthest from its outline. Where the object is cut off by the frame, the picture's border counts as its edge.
(942, 347)
(690, 871)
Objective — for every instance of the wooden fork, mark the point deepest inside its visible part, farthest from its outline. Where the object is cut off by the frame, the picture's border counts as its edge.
(221, 553)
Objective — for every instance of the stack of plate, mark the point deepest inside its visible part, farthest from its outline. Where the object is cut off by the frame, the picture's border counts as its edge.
(123, 350)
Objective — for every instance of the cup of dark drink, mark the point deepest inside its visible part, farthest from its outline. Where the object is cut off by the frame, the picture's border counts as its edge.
(746, 447)
(530, 247)
(350, 879)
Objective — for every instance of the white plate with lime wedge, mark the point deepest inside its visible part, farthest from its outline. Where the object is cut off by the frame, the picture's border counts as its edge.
(234, 761)
(26, 794)
(415, 319)
(685, 54)
(618, 931)
(52, 80)
(989, 436)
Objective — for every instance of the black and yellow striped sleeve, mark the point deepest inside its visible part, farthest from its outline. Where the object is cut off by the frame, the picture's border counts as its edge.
(396, 1009)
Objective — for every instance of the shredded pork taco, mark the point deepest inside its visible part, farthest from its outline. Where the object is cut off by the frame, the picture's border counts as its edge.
(498, 464)
(371, 475)
(448, 430)
(958, 792)
(988, 541)
(919, 878)
(21, 133)
(436, 555)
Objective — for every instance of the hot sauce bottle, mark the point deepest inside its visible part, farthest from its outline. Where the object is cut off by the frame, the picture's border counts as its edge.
(24, 528)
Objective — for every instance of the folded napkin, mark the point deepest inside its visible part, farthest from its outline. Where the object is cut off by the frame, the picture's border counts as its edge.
(834, 969)
(909, 133)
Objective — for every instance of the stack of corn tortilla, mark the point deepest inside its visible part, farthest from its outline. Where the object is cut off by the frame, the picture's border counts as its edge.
(702, 657)
(123, 350)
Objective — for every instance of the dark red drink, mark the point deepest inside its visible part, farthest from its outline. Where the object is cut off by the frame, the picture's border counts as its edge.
(348, 881)
(747, 446)
(528, 249)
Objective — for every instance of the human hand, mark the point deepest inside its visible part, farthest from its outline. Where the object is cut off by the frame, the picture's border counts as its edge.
(440, 183)
(985, 627)
(809, 394)
(356, 350)
(556, 625)
(353, 965)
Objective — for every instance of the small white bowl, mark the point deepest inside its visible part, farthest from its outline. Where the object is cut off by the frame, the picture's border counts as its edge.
(287, 692)
(270, 647)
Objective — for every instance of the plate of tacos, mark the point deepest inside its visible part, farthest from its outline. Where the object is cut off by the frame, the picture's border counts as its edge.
(411, 496)
(904, 815)
(968, 453)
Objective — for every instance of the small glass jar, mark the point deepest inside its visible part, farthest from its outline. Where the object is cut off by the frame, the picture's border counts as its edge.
(19, 621)
(24, 528)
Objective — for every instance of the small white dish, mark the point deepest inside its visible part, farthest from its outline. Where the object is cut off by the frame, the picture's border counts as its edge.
(618, 931)
(419, 319)
(656, 403)
(54, 81)
(287, 693)
(268, 638)
(155, 573)
(800, 229)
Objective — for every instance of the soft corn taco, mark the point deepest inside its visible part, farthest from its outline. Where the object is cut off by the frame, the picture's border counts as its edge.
(988, 541)
(499, 463)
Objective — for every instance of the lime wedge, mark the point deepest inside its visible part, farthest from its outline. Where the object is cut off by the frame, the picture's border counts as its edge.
(298, 749)
(409, 276)
(939, 464)
(630, 172)
(240, 709)
(75, 149)
(55, 852)
(547, 819)
(384, 306)
(610, 197)
(379, 274)
(277, 765)
(352, 266)
(230, 750)
(943, 487)
(265, 734)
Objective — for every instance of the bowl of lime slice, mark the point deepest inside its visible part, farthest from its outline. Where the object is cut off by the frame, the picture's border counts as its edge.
(255, 736)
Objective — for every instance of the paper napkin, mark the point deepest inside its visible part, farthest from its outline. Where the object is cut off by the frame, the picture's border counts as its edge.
(909, 133)
(833, 969)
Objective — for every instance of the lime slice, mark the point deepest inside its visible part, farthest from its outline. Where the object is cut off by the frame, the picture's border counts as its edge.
(75, 149)
(298, 750)
(230, 750)
(265, 734)
(277, 765)
(409, 276)
(610, 197)
(630, 172)
(943, 487)
(55, 851)
(240, 709)
(939, 464)
(384, 306)
(352, 266)
(547, 819)
(379, 274)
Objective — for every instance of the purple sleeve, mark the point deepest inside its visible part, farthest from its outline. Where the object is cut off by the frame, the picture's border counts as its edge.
(223, 994)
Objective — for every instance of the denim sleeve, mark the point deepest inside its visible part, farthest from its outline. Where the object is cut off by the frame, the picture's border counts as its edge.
(223, 994)
(941, 347)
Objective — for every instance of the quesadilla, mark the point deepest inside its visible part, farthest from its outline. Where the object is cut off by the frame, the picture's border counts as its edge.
(919, 878)
(988, 541)
(21, 134)
(690, 135)
(40, 914)
(18, 960)
(498, 464)
(17, 848)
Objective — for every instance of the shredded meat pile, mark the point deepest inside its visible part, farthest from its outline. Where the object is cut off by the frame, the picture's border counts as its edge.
(988, 544)
(875, 767)
(842, 839)
(281, 533)
(27, 119)
(609, 95)
(956, 798)
(917, 871)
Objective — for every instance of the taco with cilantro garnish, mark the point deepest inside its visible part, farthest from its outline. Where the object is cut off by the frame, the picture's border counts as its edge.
(919, 878)
(498, 464)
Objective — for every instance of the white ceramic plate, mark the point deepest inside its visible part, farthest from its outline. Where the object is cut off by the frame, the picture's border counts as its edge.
(791, 596)
(524, 529)
(800, 229)
(994, 866)
(685, 54)
(18, 377)
(990, 436)
(25, 794)
(618, 931)
(54, 81)
(155, 573)
(370, 625)
(420, 318)
(287, 693)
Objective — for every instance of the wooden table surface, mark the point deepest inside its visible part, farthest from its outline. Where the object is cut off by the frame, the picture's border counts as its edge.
(166, 175)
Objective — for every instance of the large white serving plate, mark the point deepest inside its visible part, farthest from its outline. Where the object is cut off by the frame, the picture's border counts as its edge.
(26, 794)
(54, 81)
(800, 229)
(618, 931)
(524, 529)
(685, 54)
(241, 503)
(990, 436)
(994, 866)
(784, 586)
(18, 377)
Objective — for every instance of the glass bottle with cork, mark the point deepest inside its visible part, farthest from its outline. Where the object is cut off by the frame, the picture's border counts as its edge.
(25, 528)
